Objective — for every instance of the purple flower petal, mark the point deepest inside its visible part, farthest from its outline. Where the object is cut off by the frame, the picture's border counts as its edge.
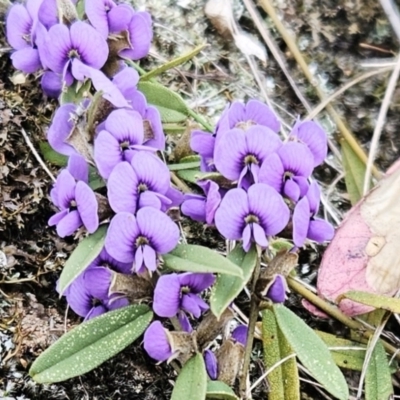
(107, 153)
(213, 199)
(259, 236)
(167, 294)
(87, 206)
(229, 217)
(261, 114)
(268, 205)
(246, 237)
(65, 187)
(96, 11)
(51, 84)
(78, 168)
(301, 221)
(158, 228)
(78, 297)
(272, 171)
(122, 188)
(297, 159)
(58, 44)
(156, 342)
(56, 218)
(126, 81)
(121, 236)
(140, 37)
(320, 230)
(69, 224)
(152, 119)
(151, 199)
(119, 18)
(193, 304)
(48, 13)
(194, 206)
(240, 334)
(211, 364)
(90, 45)
(96, 311)
(291, 190)
(100, 82)
(204, 144)
(314, 137)
(149, 258)
(105, 260)
(138, 264)
(197, 282)
(277, 291)
(120, 302)
(97, 282)
(125, 125)
(184, 322)
(27, 60)
(18, 25)
(313, 197)
(61, 128)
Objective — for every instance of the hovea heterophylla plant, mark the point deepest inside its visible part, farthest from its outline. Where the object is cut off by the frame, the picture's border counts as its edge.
(251, 186)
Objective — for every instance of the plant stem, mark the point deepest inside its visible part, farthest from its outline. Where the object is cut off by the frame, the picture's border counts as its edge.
(200, 120)
(334, 312)
(254, 308)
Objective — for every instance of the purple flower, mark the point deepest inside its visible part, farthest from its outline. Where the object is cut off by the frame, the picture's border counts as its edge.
(244, 116)
(203, 143)
(123, 131)
(288, 169)
(277, 290)
(252, 216)
(107, 17)
(61, 128)
(305, 224)
(76, 200)
(141, 238)
(48, 12)
(156, 342)
(238, 154)
(21, 34)
(211, 364)
(143, 182)
(88, 295)
(179, 292)
(126, 81)
(67, 48)
(240, 334)
(312, 135)
(201, 208)
(51, 84)
(105, 260)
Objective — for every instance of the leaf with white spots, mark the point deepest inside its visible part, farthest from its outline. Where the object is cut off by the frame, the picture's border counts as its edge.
(192, 380)
(90, 344)
(85, 253)
(312, 352)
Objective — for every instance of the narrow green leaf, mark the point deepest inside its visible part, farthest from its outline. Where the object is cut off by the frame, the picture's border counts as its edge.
(191, 158)
(95, 180)
(182, 166)
(86, 251)
(75, 93)
(192, 380)
(284, 380)
(189, 175)
(174, 129)
(374, 300)
(378, 382)
(350, 355)
(90, 344)
(312, 352)
(172, 64)
(170, 105)
(217, 390)
(354, 170)
(52, 156)
(194, 258)
(227, 287)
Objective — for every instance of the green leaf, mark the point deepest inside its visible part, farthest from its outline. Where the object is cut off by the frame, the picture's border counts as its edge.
(170, 105)
(90, 344)
(312, 352)
(174, 63)
(195, 258)
(284, 380)
(84, 254)
(374, 300)
(219, 391)
(75, 93)
(174, 129)
(352, 354)
(95, 180)
(190, 175)
(354, 170)
(184, 165)
(192, 380)
(52, 156)
(228, 287)
(378, 382)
